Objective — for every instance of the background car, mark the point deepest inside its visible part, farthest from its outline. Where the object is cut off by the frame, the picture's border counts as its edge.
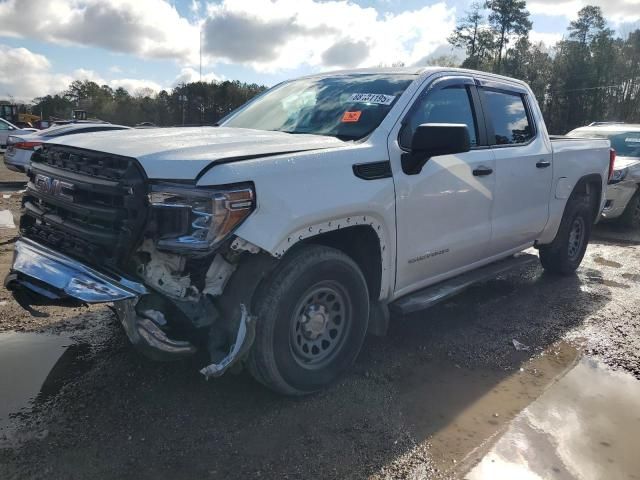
(21, 147)
(623, 192)
(7, 128)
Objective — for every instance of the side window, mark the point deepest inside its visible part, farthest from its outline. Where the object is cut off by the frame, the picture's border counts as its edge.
(4, 126)
(508, 114)
(447, 105)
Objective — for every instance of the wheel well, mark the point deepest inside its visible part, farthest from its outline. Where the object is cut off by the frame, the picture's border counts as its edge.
(591, 186)
(362, 244)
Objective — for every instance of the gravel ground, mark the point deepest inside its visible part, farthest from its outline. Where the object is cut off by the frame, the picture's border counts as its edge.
(417, 404)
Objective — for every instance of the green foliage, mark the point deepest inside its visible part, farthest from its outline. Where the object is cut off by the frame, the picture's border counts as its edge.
(485, 40)
(190, 104)
(588, 76)
(507, 18)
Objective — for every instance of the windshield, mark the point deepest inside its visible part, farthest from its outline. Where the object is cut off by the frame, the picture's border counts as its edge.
(348, 106)
(626, 144)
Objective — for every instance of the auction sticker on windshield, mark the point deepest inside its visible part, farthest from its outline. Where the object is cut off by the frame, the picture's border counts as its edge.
(349, 117)
(378, 98)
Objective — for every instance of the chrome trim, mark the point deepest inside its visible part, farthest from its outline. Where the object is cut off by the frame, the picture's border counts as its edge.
(68, 276)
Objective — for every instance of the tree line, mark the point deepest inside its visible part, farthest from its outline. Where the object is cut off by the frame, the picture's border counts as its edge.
(590, 75)
(196, 103)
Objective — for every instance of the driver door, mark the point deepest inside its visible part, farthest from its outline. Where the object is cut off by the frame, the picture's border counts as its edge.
(444, 212)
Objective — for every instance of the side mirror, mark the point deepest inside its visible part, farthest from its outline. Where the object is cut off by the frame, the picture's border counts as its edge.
(433, 139)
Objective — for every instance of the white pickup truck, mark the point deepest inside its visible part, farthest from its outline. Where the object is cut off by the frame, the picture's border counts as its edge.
(279, 238)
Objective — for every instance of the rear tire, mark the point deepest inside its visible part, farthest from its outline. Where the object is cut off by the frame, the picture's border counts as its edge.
(564, 255)
(631, 216)
(312, 317)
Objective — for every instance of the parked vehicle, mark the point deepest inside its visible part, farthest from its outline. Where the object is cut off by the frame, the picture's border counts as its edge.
(278, 239)
(7, 128)
(623, 195)
(21, 147)
(8, 111)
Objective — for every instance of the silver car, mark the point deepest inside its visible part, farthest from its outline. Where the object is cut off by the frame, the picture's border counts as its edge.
(7, 128)
(623, 193)
(21, 147)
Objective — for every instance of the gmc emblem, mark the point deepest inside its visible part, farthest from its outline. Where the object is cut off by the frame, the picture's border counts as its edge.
(54, 187)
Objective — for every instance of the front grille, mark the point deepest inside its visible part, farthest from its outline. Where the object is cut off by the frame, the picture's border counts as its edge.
(88, 205)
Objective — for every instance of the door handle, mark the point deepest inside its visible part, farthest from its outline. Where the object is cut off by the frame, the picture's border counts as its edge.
(543, 164)
(482, 171)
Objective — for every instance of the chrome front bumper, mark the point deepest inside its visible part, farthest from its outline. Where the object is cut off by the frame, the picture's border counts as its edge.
(54, 277)
(58, 277)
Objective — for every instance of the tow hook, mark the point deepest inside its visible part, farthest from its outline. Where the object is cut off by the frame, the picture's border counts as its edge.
(244, 340)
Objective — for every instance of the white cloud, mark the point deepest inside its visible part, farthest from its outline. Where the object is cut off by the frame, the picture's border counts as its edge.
(284, 34)
(189, 74)
(26, 75)
(549, 39)
(615, 11)
(146, 28)
(268, 35)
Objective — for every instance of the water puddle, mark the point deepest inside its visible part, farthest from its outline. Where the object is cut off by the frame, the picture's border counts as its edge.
(607, 283)
(586, 426)
(456, 409)
(631, 276)
(32, 368)
(607, 263)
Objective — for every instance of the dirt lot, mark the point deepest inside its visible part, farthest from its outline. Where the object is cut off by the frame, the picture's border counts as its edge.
(425, 402)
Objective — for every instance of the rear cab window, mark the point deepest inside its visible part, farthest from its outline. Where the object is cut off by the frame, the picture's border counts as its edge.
(509, 116)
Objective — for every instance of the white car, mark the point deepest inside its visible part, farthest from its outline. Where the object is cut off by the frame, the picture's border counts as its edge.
(7, 128)
(623, 192)
(21, 147)
(280, 238)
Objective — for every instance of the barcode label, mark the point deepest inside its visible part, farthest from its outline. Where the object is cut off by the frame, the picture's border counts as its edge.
(378, 98)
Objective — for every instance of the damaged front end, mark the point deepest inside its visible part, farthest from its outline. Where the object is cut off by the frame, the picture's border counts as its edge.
(164, 254)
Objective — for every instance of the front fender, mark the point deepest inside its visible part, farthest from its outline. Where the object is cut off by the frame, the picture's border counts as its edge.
(305, 194)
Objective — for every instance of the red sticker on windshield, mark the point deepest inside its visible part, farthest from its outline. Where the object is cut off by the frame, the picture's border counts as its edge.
(350, 117)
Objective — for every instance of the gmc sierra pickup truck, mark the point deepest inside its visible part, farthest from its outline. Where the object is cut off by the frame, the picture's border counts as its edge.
(278, 239)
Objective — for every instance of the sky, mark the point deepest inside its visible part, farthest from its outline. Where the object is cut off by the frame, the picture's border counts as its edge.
(135, 44)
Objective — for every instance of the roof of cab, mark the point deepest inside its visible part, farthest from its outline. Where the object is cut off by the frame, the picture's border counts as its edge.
(418, 71)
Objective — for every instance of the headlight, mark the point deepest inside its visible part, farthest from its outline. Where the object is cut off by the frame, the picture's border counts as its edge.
(194, 220)
(619, 175)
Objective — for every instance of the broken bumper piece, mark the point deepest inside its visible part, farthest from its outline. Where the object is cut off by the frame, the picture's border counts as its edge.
(53, 276)
(244, 340)
(148, 337)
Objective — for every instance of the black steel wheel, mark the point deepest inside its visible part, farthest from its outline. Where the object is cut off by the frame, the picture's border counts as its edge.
(312, 316)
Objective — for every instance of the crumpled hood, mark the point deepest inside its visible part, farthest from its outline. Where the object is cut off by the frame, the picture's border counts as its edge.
(182, 153)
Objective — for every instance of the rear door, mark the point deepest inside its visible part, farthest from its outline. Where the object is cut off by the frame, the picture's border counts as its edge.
(444, 212)
(524, 170)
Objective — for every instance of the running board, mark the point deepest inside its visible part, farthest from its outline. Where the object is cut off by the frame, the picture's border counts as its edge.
(434, 294)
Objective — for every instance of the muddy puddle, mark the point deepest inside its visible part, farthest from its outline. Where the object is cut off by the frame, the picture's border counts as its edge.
(457, 410)
(32, 368)
(586, 426)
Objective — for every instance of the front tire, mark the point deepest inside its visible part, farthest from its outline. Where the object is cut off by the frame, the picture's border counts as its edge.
(312, 317)
(564, 255)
